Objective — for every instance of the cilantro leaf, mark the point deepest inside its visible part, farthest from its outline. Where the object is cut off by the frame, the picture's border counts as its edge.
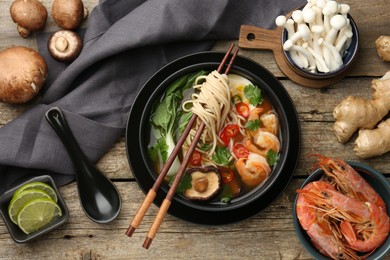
(205, 147)
(253, 124)
(226, 194)
(254, 95)
(221, 155)
(272, 157)
(184, 184)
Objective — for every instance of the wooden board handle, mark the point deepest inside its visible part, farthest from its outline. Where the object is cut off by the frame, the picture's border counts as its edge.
(252, 37)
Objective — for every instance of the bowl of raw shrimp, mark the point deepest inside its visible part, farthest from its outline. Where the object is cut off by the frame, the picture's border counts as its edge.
(342, 211)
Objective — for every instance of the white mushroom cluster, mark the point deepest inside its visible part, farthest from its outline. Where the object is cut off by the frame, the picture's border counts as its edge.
(318, 35)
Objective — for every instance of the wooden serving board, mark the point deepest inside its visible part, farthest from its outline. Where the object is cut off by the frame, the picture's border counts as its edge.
(252, 37)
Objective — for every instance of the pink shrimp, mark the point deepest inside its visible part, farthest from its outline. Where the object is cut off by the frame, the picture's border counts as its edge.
(262, 143)
(318, 225)
(348, 181)
(253, 170)
(367, 236)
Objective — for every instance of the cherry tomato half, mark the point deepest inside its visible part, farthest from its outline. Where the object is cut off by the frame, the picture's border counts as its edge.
(240, 151)
(196, 158)
(229, 131)
(227, 174)
(242, 109)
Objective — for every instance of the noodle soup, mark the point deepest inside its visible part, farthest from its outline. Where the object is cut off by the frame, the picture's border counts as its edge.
(239, 146)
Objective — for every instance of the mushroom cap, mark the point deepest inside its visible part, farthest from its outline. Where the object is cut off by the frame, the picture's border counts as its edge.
(29, 14)
(23, 72)
(338, 21)
(309, 15)
(206, 182)
(280, 20)
(68, 14)
(64, 45)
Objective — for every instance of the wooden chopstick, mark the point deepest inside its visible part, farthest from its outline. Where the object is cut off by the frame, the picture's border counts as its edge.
(153, 191)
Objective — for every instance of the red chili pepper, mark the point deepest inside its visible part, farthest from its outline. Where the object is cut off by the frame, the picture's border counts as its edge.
(196, 158)
(229, 131)
(242, 109)
(240, 151)
(227, 174)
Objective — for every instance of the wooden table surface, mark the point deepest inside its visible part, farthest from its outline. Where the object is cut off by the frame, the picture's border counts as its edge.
(267, 235)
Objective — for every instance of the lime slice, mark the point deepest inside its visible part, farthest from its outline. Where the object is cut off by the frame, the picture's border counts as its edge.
(20, 199)
(37, 185)
(37, 213)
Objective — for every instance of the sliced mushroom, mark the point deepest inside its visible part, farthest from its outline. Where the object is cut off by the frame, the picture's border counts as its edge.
(64, 45)
(206, 182)
(23, 72)
(29, 15)
(68, 14)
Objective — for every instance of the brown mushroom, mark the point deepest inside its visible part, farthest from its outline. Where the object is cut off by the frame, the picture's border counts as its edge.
(29, 15)
(68, 14)
(64, 45)
(205, 183)
(23, 72)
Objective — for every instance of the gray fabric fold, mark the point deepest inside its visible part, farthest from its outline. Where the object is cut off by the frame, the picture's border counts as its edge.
(125, 42)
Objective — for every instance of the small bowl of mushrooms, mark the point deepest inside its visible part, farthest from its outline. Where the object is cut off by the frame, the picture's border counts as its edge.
(319, 40)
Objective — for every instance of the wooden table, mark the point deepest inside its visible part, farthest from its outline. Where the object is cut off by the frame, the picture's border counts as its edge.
(268, 235)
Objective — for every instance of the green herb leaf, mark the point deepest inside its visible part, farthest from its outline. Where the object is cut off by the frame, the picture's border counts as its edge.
(226, 194)
(221, 155)
(253, 93)
(205, 147)
(236, 99)
(253, 124)
(272, 157)
(184, 184)
(185, 118)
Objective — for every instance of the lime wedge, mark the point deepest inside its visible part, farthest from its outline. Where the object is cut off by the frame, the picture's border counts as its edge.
(37, 185)
(20, 199)
(37, 213)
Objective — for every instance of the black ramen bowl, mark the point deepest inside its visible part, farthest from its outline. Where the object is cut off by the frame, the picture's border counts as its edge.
(138, 132)
(376, 180)
(349, 57)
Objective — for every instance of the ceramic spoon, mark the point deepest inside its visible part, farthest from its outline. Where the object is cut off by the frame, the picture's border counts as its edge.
(98, 195)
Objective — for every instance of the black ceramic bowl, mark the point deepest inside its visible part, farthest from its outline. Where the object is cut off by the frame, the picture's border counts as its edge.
(17, 234)
(138, 132)
(348, 58)
(376, 180)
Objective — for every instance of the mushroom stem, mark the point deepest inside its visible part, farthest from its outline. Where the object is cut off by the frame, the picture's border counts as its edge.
(332, 56)
(329, 11)
(337, 22)
(288, 46)
(321, 65)
(23, 31)
(61, 44)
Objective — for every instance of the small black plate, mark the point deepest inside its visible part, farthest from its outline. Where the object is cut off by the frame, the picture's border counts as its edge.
(17, 234)
(138, 129)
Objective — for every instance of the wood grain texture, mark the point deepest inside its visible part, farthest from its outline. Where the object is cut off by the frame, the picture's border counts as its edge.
(267, 235)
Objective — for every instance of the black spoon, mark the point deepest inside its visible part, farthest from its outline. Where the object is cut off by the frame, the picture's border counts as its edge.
(98, 195)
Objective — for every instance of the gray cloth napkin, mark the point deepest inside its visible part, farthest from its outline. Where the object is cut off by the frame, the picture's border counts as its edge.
(125, 42)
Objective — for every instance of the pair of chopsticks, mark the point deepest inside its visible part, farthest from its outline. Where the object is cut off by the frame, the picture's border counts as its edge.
(153, 191)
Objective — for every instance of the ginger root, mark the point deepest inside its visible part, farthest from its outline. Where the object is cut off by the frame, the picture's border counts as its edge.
(383, 47)
(375, 142)
(356, 113)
